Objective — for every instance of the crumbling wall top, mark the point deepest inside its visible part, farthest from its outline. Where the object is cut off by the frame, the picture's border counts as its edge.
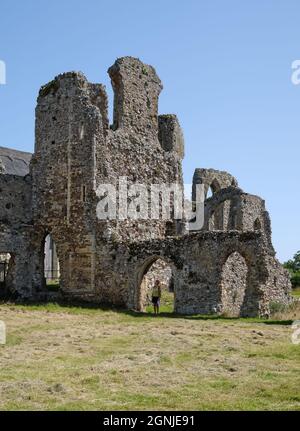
(14, 162)
(170, 134)
(211, 178)
(136, 90)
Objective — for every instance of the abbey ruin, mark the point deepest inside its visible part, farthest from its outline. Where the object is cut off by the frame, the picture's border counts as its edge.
(229, 266)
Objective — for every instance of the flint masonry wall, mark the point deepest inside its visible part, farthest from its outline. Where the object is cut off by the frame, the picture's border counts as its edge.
(232, 209)
(17, 236)
(233, 284)
(144, 148)
(15, 200)
(76, 151)
(141, 146)
(71, 123)
(199, 263)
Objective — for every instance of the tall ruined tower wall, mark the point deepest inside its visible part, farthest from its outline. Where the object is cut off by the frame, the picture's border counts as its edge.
(76, 151)
(141, 146)
(71, 120)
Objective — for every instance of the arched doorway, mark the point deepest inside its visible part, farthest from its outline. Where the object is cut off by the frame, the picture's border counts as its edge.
(233, 284)
(51, 265)
(7, 263)
(156, 269)
(213, 188)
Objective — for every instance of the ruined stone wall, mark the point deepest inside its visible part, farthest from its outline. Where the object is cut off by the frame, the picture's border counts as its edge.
(211, 178)
(278, 286)
(16, 232)
(15, 200)
(170, 135)
(141, 146)
(24, 278)
(252, 212)
(198, 263)
(105, 260)
(233, 285)
(144, 148)
(14, 162)
(232, 209)
(71, 120)
(76, 151)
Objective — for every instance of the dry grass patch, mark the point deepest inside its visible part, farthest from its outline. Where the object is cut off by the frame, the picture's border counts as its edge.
(65, 358)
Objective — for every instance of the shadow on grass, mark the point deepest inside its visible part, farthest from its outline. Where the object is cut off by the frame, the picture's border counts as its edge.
(208, 317)
(79, 305)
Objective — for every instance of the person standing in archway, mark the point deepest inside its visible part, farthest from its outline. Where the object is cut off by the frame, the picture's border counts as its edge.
(156, 295)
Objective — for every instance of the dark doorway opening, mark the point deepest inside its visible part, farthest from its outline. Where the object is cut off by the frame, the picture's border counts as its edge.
(6, 262)
(160, 270)
(51, 265)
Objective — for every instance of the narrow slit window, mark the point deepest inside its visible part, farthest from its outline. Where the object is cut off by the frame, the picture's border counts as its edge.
(84, 193)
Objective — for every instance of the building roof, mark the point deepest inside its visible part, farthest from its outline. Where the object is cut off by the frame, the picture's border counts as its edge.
(14, 162)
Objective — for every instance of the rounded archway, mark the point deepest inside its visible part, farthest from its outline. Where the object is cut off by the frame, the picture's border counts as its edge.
(156, 268)
(234, 280)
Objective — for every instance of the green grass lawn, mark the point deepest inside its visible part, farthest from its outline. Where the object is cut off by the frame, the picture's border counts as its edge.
(166, 303)
(296, 292)
(66, 358)
(53, 285)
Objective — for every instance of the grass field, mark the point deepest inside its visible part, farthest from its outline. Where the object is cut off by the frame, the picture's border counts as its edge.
(66, 358)
(296, 292)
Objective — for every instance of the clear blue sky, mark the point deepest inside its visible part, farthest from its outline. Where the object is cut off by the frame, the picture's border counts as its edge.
(225, 66)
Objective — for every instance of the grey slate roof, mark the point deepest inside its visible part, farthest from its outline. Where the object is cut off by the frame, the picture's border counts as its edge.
(14, 162)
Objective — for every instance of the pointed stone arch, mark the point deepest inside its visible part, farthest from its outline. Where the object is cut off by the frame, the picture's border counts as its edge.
(51, 263)
(7, 274)
(234, 281)
(213, 188)
(253, 292)
(154, 267)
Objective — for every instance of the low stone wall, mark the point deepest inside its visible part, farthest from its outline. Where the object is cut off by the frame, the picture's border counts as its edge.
(198, 263)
